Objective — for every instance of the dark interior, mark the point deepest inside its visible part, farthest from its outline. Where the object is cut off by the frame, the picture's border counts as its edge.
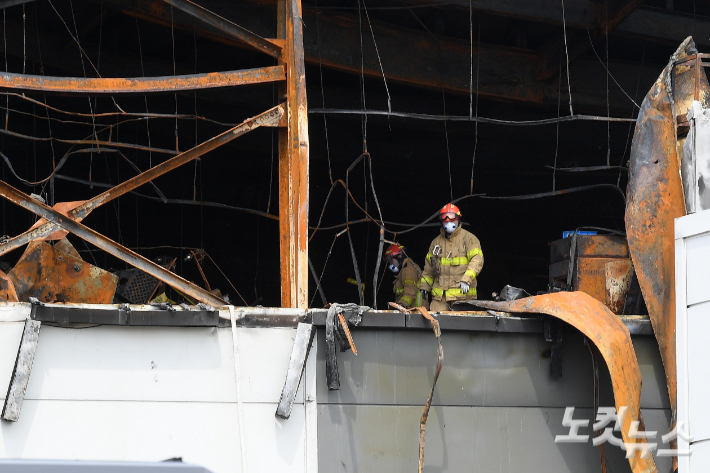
(220, 202)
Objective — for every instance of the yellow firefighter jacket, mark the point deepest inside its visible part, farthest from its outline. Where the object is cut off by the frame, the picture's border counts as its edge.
(452, 259)
(405, 289)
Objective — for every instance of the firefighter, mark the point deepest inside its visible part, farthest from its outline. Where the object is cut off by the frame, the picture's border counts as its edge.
(454, 261)
(407, 273)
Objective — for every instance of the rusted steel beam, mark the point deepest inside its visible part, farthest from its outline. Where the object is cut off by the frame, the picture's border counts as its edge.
(140, 85)
(286, 248)
(227, 27)
(440, 62)
(271, 117)
(611, 337)
(654, 199)
(108, 245)
(506, 73)
(293, 156)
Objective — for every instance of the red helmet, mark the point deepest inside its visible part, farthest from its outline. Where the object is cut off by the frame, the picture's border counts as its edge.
(393, 251)
(449, 212)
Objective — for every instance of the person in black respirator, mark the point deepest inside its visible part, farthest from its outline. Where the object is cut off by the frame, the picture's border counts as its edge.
(407, 273)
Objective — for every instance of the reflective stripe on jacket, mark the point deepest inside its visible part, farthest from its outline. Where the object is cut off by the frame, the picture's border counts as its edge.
(452, 259)
(405, 285)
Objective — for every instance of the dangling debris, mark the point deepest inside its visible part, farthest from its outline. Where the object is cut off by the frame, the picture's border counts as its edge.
(352, 314)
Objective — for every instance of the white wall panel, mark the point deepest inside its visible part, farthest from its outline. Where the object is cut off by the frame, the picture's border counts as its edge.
(158, 364)
(699, 371)
(152, 393)
(700, 458)
(206, 434)
(692, 254)
(698, 262)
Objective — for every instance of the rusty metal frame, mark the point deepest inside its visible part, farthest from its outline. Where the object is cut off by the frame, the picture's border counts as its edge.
(232, 29)
(139, 85)
(293, 148)
(293, 160)
(271, 117)
(698, 58)
(119, 251)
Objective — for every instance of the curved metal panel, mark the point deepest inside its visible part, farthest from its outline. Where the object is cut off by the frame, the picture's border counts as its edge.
(655, 196)
(610, 336)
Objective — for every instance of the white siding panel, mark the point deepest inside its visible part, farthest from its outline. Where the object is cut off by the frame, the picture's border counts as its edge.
(700, 458)
(698, 262)
(206, 434)
(699, 371)
(156, 364)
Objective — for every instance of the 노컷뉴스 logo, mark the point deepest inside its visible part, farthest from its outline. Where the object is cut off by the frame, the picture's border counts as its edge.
(608, 415)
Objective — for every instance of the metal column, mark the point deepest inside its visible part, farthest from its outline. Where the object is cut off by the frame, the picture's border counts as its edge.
(293, 161)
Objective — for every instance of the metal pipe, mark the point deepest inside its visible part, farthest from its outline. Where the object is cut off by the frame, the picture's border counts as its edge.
(270, 117)
(108, 245)
(140, 85)
(226, 26)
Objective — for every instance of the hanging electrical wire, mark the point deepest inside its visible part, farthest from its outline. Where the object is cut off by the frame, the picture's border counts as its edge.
(478, 72)
(465, 118)
(606, 67)
(325, 265)
(379, 60)
(322, 94)
(608, 110)
(557, 125)
(350, 240)
(633, 110)
(564, 34)
(171, 201)
(145, 97)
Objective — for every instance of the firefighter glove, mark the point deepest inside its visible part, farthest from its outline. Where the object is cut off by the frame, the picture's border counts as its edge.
(464, 287)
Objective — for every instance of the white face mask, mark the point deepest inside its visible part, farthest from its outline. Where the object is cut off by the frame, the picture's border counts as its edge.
(394, 268)
(449, 227)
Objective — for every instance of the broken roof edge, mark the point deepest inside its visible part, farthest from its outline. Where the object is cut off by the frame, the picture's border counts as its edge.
(275, 317)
